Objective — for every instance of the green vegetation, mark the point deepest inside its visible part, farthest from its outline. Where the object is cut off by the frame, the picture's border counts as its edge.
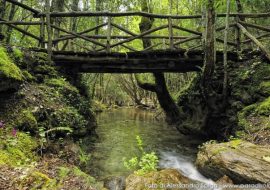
(264, 107)
(45, 109)
(255, 117)
(265, 88)
(17, 55)
(34, 119)
(7, 68)
(60, 83)
(17, 148)
(145, 163)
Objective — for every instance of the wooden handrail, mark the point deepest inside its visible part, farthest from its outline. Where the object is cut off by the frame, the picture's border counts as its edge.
(21, 23)
(68, 37)
(256, 26)
(36, 12)
(145, 14)
(79, 36)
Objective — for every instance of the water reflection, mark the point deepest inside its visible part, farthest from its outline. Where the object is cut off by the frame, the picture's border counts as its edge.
(117, 132)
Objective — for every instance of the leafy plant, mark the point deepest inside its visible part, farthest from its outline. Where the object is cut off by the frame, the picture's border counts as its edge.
(83, 156)
(144, 163)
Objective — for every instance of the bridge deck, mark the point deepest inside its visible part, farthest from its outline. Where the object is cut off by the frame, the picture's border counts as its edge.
(135, 62)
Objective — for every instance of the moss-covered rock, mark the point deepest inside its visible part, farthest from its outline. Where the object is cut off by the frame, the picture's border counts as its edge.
(157, 180)
(7, 68)
(240, 160)
(47, 103)
(10, 75)
(59, 180)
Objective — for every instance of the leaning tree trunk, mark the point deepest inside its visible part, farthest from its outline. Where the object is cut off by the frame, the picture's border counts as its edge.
(165, 99)
(160, 88)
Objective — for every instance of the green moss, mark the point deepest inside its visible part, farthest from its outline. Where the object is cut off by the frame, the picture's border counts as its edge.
(219, 150)
(89, 180)
(235, 143)
(17, 150)
(264, 107)
(25, 120)
(45, 70)
(68, 117)
(37, 179)
(7, 68)
(242, 116)
(60, 83)
(63, 172)
(27, 76)
(17, 54)
(265, 88)
(255, 116)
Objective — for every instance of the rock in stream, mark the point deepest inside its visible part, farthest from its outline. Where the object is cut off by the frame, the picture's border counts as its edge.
(242, 161)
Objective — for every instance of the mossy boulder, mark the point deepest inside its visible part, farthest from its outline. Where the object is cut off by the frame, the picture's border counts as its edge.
(156, 180)
(10, 75)
(55, 107)
(241, 161)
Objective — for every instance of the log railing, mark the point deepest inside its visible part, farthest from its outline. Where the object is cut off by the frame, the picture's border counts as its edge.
(109, 42)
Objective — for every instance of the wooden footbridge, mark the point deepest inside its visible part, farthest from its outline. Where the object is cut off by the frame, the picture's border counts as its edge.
(174, 47)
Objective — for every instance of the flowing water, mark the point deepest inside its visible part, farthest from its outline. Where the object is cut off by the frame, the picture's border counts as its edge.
(117, 132)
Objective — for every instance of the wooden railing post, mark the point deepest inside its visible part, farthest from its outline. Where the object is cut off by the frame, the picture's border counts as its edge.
(49, 31)
(109, 31)
(42, 32)
(170, 32)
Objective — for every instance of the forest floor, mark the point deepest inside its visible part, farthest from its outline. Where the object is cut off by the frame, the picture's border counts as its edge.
(40, 113)
(48, 173)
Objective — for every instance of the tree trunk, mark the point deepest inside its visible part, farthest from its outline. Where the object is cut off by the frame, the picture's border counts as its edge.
(160, 88)
(165, 99)
(210, 52)
(10, 18)
(57, 5)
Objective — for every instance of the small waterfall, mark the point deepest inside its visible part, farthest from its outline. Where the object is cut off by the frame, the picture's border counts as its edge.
(182, 163)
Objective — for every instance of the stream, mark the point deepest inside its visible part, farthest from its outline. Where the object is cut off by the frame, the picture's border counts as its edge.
(117, 130)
